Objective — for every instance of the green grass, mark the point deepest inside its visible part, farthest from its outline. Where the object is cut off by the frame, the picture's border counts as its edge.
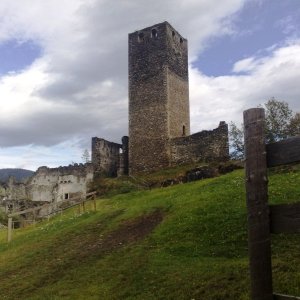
(198, 251)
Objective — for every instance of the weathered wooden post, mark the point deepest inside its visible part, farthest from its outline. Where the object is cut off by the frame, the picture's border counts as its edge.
(9, 229)
(257, 204)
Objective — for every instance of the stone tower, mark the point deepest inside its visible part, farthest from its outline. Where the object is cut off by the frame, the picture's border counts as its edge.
(158, 95)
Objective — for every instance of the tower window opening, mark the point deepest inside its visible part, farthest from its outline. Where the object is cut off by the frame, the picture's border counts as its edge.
(66, 196)
(141, 37)
(183, 130)
(154, 33)
(181, 40)
(173, 33)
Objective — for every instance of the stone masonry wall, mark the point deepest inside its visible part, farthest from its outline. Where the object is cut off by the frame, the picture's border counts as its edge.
(202, 146)
(148, 131)
(105, 156)
(123, 157)
(158, 95)
(51, 185)
(58, 184)
(13, 190)
(178, 106)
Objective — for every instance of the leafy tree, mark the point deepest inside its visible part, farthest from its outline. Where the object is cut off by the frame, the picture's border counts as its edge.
(281, 123)
(294, 126)
(278, 119)
(236, 141)
(86, 156)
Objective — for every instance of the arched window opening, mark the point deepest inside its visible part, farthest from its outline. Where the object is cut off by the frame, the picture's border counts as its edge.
(183, 130)
(141, 37)
(154, 33)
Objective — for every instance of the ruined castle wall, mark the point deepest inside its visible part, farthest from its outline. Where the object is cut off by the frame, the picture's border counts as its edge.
(51, 185)
(123, 157)
(12, 195)
(58, 184)
(105, 156)
(41, 185)
(15, 190)
(202, 146)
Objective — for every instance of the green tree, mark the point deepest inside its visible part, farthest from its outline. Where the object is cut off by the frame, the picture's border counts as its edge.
(278, 119)
(236, 141)
(294, 126)
(281, 123)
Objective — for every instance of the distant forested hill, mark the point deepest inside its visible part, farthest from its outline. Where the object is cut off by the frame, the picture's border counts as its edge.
(19, 174)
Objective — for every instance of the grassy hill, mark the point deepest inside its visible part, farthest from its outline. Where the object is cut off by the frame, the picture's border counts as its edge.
(187, 241)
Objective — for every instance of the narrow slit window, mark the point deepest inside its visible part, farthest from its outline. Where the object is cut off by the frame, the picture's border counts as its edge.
(154, 33)
(66, 196)
(183, 130)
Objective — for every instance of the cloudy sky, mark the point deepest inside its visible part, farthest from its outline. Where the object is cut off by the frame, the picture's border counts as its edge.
(63, 67)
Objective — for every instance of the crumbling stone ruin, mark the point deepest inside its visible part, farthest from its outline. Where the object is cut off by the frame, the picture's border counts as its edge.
(108, 158)
(58, 184)
(12, 195)
(159, 118)
(47, 185)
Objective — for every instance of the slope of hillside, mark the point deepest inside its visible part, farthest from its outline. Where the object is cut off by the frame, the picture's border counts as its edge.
(19, 174)
(183, 242)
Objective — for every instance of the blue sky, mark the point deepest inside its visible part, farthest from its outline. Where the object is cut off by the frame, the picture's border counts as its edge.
(17, 55)
(63, 71)
(259, 26)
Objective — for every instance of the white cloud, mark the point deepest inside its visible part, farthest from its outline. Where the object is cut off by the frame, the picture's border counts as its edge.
(225, 97)
(246, 65)
(35, 19)
(78, 87)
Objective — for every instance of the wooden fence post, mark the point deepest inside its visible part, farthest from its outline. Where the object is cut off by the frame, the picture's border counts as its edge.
(257, 205)
(9, 229)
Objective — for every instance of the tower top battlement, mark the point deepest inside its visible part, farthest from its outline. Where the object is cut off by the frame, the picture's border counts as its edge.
(156, 30)
(155, 47)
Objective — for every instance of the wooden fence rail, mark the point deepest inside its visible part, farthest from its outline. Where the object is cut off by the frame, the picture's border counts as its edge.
(80, 203)
(264, 219)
